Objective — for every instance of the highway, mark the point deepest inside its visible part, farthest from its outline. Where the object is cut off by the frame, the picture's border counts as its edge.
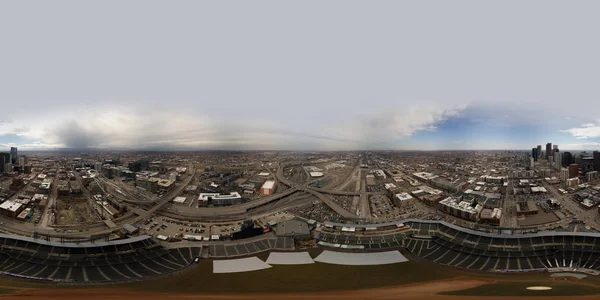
(290, 202)
(317, 192)
(233, 209)
(142, 214)
(236, 211)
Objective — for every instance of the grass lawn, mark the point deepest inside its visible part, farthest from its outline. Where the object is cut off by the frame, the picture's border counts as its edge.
(317, 277)
(6, 291)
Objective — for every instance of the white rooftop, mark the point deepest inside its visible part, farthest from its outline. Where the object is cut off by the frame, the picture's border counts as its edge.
(10, 205)
(205, 196)
(269, 184)
(179, 199)
(403, 196)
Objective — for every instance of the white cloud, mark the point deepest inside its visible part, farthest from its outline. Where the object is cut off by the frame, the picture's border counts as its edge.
(394, 125)
(583, 146)
(584, 131)
(134, 127)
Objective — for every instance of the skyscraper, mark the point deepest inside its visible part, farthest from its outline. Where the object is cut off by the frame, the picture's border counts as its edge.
(596, 156)
(534, 154)
(548, 150)
(587, 164)
(564, 174)
(539, 151)
(5, 160)
(567, 159)
(13, 155)
(573, 170)
(557, 159)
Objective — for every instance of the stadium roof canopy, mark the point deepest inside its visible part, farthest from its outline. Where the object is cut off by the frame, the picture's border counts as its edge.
(467, 230)
(73, 244)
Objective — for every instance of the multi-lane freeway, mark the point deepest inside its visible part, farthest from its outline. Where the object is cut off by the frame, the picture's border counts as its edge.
(317, 192)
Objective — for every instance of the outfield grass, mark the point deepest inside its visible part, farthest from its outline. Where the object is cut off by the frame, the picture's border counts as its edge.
(316, 277)
(6, 291)
(512, 288)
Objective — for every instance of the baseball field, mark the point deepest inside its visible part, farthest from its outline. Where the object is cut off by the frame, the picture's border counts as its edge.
(415, 279)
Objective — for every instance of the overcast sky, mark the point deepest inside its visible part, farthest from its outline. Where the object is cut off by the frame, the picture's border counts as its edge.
(318, 75)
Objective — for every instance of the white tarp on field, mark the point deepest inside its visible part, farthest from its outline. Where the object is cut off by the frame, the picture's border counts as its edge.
(239, 265)
(289, 258)
(357, 259)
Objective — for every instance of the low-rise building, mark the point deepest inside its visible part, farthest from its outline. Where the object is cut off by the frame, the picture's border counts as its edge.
(292, 228)
(591, 176)
(494, 179)
(451, 186)
(573, 182)
(44, 187)
(526, 208)
(165, 184)
(179, 200)
(267, 188)
(403, 200)
(11, 208)
(380, 173)
(149, 184)
(218, 199)
(491, 215)
(461, 209)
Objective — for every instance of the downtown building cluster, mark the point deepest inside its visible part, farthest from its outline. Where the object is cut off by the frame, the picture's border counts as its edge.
(572, 168)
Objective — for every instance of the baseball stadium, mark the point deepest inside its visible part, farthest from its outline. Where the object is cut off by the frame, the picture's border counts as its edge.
(406, 255)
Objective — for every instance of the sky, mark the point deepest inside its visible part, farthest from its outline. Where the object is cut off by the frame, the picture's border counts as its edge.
(299, 75)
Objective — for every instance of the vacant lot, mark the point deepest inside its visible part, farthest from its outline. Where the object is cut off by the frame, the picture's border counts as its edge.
(73, 212)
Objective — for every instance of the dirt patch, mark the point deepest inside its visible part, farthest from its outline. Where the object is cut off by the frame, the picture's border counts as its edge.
(425, 291)
(74, 212)
(414, 291)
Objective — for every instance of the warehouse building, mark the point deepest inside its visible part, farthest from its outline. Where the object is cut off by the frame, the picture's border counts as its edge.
(267, 188)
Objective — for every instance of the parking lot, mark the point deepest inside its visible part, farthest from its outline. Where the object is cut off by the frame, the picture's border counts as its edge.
(383, 208)
(174, 228)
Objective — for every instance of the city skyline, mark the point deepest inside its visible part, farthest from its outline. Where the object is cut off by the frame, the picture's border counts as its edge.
(404, 77)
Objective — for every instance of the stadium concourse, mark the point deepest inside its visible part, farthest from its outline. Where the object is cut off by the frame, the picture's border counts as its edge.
(112, 261)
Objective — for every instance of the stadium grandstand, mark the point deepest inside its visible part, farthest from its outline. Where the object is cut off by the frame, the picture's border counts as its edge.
(452, 245)
(106, 261)
(250, 247)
